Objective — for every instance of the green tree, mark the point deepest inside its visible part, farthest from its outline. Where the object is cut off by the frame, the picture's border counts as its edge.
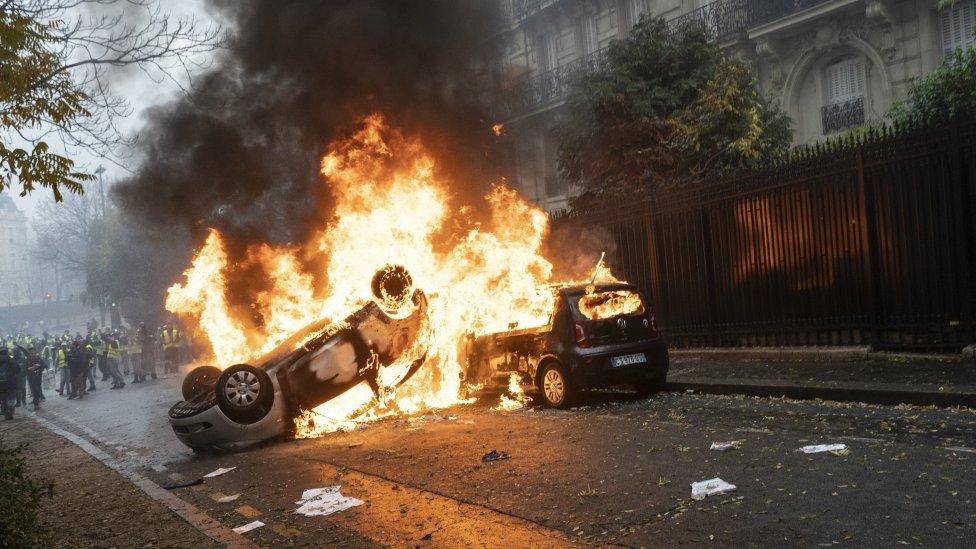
(33, 93)
(58, 60)
(944, 94)
(666, 108)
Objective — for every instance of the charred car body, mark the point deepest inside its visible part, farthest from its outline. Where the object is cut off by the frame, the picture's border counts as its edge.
(597, 336)
(248, 403)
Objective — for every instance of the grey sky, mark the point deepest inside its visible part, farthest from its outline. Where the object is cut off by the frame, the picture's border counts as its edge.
(142, 91)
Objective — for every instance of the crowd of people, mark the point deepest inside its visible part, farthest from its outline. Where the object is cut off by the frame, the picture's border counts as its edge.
(72, 364)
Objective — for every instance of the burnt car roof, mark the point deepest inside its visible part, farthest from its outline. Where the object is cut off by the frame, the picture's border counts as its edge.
(604, 287)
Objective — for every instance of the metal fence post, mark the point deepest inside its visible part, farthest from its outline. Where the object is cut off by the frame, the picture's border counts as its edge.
(869, 243)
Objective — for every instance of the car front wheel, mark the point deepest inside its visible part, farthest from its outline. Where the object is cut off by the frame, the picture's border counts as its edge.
(555, 388)
(244, 393)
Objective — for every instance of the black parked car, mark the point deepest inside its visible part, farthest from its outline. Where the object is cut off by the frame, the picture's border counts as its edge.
(598, 335)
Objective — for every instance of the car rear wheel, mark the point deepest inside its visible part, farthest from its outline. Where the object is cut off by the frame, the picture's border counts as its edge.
(199, 382)
(555, 388)
(244, 393)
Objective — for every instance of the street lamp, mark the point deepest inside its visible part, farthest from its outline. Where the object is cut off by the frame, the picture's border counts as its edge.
(101, 185)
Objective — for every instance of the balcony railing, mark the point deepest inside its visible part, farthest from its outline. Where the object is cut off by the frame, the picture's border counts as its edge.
(766, 11)
(719, 19)
(523, 9)
(840, 116)
(545, 88)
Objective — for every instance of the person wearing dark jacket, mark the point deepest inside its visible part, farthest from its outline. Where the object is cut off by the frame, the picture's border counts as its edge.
(35, 367)
(77, 359)
(20, 358)
(8, 382)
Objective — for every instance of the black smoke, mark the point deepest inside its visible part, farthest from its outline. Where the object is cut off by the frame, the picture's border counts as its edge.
(240, 152)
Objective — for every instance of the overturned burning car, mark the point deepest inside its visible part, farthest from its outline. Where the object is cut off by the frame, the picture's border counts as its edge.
(247, 403)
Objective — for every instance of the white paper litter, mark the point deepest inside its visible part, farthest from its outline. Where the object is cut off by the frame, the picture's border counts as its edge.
(317, 502)
(711, 487)
(723, 446)
(228, 499)
(219, 472)
(248, 527)
(817, 448)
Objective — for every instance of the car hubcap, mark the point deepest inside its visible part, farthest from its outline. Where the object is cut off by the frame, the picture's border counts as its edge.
(242, 388)
(553, 386)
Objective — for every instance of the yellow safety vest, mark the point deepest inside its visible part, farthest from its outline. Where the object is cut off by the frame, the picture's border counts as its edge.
(112, 351)
(62, 360)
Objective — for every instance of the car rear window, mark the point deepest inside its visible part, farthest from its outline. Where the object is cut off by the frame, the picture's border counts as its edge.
(610, 304)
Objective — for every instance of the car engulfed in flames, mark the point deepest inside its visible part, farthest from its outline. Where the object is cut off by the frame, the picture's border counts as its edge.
(248, 403)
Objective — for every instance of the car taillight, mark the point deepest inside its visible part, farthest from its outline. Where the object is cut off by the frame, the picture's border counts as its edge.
(581, 337)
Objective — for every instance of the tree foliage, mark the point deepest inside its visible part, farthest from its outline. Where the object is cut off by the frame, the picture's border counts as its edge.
(32, 93)
(20, 497)
(56, 72)
(666, 108)
(944, 94)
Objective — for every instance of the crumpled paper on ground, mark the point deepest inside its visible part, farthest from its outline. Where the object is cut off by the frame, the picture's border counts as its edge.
(317, 502)
(817, 448)
(725, 446)
(219, 472)
(711, 487)
(248, 527)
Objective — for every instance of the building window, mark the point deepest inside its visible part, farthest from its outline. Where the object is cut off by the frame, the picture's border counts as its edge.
(589, 40)
(549, 52)
(958, 26)
(635, 8)
(845, 80)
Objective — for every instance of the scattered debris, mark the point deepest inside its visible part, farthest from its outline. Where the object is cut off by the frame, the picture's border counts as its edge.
(960, 449)
(317, 502)
(663, 481)
(725, 446)
(228, 499)
(711, 487)
(588, 493)
(354, 444)
(183, 484)
(494, 455)
(248, 527)
(818, 448)
(843, 452)
(218, 472)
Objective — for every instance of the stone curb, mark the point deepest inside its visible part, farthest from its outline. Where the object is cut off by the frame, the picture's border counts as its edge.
(816, 354)
(839, 392)
(187, 511)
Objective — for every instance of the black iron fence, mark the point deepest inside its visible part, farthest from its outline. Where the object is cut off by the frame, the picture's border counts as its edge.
(873, 243)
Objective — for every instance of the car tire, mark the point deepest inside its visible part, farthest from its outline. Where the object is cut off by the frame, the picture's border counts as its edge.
(244, 393)
(200, 380)
(555, 388)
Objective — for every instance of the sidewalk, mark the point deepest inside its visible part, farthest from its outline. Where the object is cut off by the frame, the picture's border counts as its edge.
(93, 505)
(877, 378)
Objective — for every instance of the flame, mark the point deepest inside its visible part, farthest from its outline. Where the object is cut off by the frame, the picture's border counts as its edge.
(498, 129)
(390, 208)
(515, 397)
(600, 305)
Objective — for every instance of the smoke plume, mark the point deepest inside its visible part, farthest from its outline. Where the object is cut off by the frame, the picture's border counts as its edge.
(240, 152)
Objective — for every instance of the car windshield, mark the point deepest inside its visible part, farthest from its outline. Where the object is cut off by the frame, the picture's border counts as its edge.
(599, 305)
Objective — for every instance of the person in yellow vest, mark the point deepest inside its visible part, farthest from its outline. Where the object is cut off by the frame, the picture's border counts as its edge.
(112, 361)
(90, 372)
(61, 365)
(172, 341)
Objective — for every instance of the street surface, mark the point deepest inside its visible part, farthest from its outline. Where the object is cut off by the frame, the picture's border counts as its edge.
(616, 470)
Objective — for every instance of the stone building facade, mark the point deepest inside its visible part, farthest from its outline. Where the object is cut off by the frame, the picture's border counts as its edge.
(14, 258)
(828, 64)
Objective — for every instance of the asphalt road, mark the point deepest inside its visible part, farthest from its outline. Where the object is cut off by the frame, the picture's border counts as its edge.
(616, 470)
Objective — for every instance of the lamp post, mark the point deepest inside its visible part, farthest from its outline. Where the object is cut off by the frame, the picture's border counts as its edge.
(101, 185)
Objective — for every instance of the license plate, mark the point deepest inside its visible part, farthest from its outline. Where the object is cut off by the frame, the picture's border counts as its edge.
(627, 360)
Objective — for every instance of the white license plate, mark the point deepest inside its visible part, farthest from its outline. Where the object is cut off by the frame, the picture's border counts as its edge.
(627, 360)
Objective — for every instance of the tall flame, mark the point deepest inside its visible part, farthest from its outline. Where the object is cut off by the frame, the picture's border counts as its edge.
(389, 207)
